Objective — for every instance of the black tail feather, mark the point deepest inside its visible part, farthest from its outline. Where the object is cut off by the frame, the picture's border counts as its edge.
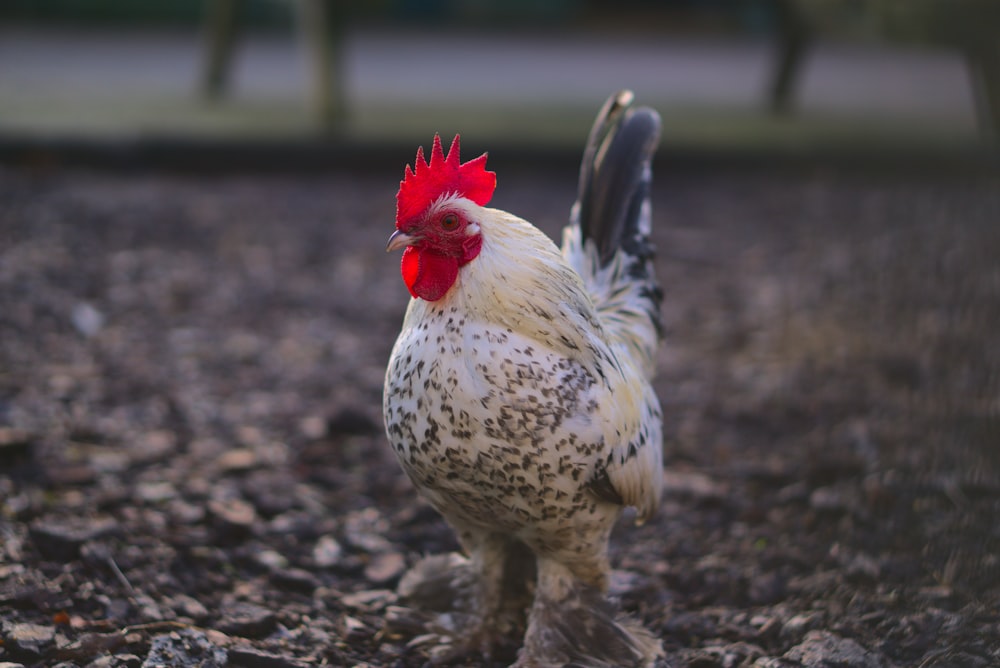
(615, 178)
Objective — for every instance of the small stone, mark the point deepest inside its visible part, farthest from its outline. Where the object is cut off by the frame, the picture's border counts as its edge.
(795, 627)
(385, 567)
(155, 492)
(247, 620)
(189, 607)
(61, 541)
(236, 460)
(371, 600)
(155, 446)
(250, 657)
(364, 530)
(14, 443)
(185, 648)
(271, 560)
(353, 628)
(327, 552)
(695, 485)
(295, 579)
(86, 319)
(184, 512)
(29, 641)
(233, 514)
(774, 662)
(828, 500)
(313, 427)
(116, 661)
(822, 648)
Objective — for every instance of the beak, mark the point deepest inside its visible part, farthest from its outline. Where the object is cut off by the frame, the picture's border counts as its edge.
(398, 240)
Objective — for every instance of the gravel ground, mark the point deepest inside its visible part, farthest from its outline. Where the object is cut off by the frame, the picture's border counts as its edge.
(194, 471)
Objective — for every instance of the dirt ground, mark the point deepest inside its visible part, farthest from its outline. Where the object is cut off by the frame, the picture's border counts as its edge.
(193, 469)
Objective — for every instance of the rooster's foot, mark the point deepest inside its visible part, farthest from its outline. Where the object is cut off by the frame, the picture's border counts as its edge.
(440, 608)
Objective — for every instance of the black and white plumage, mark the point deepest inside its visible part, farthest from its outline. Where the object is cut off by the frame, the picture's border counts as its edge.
(517, 396)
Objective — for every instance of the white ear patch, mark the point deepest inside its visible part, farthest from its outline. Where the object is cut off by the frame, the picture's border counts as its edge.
(472, 229)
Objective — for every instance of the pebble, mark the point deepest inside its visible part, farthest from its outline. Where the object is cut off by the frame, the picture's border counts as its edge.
(247, 620)
(385, 567)
(154, 446)
(86, 319)
(353, 628)
(296, 579)
(116, 661)
(29, 641)
(189, 607)
(327, 551)
(61, 540)
(364, 530)
(250, 657)
(271, 559)
(14, 443)
(795, 627)
(235, 515)
(828, 500)
(370, 600)
(820, 649)
(236, 460)
(155, 492)
(185, 649)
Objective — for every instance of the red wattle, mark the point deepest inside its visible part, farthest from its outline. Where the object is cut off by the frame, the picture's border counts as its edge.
(428, 275)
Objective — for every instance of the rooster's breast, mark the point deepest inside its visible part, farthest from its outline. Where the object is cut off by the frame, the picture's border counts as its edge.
(492, 427)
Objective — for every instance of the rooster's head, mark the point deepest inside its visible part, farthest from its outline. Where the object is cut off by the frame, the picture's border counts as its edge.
(433, 221)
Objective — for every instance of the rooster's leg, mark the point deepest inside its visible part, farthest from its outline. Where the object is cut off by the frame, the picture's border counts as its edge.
(466, 597)
(573, 623)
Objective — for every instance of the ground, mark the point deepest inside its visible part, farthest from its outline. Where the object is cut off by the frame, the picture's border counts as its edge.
(193, 464)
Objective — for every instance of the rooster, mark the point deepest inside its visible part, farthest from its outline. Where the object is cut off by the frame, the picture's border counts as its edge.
(518, 399)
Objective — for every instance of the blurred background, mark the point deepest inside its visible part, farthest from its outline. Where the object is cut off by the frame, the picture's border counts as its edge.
(191, 361)
(892, 77)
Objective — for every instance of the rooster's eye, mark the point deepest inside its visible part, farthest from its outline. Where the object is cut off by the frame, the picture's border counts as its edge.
(449, 222)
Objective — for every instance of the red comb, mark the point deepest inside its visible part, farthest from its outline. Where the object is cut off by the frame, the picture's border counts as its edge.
(425, 183)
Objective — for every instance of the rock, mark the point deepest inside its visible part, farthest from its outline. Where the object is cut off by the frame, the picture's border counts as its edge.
(295, 579)
(86, 319)
(271, 559)
(327, 552)
(775, 662)
(154, 446)
(364, 530)
(247, 620)
(353, 628)
(14, 443)
(821, 649)
(233, 516)
(187, 606)
(722, 656)
(28, 641)
(795, 627)
(116, 661)
(385, 567)
(10, 664)
(828, 500)
(155, 492)
(693, 484)
(61, 540)
(237, 460)
(372, 600)
(249, 657)
(185, 649)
